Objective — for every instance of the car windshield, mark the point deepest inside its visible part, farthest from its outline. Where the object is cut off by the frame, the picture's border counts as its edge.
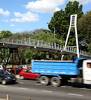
(27, 70)
(5, 72)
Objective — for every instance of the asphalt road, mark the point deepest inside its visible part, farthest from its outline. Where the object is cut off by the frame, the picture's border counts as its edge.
(26, 89)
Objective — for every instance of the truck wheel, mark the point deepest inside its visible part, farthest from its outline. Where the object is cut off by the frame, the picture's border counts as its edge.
(4, 82)
(55, 81)
(44, 80)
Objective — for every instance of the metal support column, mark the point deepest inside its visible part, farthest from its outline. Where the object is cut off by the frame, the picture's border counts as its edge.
(73, 24)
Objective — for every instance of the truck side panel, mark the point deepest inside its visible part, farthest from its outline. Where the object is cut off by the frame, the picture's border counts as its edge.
(54, 67)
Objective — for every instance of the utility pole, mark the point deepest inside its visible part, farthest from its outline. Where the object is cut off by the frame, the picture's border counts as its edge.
(54, 33)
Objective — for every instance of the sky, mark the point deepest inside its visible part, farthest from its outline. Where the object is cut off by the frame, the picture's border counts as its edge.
(28, 15)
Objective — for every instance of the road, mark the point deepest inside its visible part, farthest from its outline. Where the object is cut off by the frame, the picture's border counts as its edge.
(26, 89)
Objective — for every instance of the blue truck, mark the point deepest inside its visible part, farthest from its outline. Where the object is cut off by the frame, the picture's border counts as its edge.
(59, 72)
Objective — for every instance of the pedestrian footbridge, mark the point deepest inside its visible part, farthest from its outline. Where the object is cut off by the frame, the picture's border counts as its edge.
(41, 45)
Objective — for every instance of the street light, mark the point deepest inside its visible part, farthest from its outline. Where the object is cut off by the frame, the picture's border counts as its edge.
(54, 33)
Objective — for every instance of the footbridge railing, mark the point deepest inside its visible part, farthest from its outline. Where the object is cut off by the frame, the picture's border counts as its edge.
(41, 44)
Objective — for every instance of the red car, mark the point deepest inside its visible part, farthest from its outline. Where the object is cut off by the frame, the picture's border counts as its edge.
(27, 74)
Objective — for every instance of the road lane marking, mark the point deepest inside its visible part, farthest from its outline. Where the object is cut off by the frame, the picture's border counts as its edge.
(3, 86)
(73, 94)
(37, 84)
(46, 91)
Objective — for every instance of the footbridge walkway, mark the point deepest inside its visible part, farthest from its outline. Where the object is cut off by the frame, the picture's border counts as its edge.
(41, 45)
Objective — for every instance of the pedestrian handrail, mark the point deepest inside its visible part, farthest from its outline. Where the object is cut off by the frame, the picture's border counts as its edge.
(41, 44)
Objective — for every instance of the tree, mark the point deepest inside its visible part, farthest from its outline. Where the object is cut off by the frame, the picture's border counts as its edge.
(57, 22)
(5, 34)
(46, 36)
(4, 52)
(60, 20)
(73, 8)
(84, 29)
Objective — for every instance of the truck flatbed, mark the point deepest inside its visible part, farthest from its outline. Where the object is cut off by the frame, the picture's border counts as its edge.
(52, 67)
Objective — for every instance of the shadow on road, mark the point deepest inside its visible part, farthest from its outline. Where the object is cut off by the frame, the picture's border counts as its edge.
(79, 85)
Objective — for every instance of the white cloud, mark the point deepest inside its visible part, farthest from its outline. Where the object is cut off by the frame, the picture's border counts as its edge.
(82, 1)
(44, 5)
(4, 12)
(24, 17)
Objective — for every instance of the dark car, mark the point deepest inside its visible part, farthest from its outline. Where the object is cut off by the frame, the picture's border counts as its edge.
(7, 77)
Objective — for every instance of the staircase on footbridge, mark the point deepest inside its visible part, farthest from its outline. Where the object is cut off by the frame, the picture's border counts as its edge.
(41, 45)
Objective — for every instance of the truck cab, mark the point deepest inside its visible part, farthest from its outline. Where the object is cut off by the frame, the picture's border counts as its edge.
(87, 71)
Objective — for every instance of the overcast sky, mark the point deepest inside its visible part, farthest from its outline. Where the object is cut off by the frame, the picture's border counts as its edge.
(27, 15)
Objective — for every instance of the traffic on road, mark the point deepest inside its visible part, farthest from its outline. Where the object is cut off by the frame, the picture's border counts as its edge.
(28, 86)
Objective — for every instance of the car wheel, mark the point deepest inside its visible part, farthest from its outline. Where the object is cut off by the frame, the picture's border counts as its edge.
(44, 80)
(55, 81)
(4, 82)
(21, 77)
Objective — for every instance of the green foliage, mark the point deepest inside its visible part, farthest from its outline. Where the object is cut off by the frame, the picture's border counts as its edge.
(73, 8)
(89, 47)
(26, 54)
(47, 36)
(60, 20)
(57, 22)
(5, 34)
(84, 29)
(20, 36)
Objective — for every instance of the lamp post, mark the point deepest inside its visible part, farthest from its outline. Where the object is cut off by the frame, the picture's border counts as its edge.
(54, 33)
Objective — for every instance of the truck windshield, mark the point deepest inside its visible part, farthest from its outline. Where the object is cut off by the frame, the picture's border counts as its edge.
(80, 63)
